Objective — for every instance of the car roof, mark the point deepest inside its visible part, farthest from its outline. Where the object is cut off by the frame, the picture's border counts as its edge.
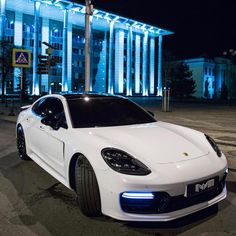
(69, 96)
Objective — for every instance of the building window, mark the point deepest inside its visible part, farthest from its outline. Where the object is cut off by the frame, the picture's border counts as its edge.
(209, 69)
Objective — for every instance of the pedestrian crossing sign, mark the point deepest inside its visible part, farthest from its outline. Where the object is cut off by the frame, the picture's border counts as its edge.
(21, 58)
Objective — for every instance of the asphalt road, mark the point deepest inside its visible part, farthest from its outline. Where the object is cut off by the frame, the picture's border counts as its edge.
(34, 203)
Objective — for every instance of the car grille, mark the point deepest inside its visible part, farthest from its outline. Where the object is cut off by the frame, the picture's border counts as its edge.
(162, 202)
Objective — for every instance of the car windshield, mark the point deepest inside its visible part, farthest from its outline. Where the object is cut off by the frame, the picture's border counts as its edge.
(106, 111)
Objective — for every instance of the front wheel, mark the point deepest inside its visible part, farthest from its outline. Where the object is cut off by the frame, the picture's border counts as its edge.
(87, 189)
(21, 145)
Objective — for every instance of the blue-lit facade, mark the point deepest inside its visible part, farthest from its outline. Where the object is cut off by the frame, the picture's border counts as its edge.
(210, 74)
(126, 54)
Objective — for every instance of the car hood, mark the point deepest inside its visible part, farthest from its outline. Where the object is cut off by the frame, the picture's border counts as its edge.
(157, 142)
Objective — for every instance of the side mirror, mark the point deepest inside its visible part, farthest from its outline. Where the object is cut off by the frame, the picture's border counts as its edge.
(151, 113)
(51, 121)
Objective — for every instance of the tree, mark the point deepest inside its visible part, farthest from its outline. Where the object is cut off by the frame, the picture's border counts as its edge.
(224, 91)
(168, 66)
(5, 62)
(182, 84)
(25, 85)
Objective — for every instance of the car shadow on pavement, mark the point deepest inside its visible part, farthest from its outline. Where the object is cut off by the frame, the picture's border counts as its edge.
(231, 186)
(192, 219)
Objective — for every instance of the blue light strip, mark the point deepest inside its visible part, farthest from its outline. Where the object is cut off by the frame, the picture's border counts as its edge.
(159, 72)
(36, 89)
(138, 195)
(111, 60)
(137, 63)
(144, 64)
(152, 65)
(65, 52)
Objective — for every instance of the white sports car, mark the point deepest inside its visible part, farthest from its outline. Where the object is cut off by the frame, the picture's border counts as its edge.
(119, 160)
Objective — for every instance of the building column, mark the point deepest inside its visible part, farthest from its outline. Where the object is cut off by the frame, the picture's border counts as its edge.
(111, 60)
(152, 66)
(159, 73)
(45, 38)
(144, 64)
(36, 86)
(119, 61)
(2, 31)
(65, 52)
(129, 63)
(69, 57)
(18, 36)
(137, 63)
(100, 80)
(3, 20)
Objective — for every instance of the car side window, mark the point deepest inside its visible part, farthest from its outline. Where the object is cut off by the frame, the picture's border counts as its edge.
(37, 107)
(51, 107)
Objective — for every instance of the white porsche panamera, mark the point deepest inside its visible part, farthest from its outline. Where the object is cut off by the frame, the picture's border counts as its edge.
(119, 159)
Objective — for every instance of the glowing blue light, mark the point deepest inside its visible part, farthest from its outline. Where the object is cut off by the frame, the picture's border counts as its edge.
(116, 18)
(143, 27)
(138, 195)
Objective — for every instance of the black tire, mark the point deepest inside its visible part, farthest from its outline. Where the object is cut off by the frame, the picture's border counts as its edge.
(21, 145)
(87, 189)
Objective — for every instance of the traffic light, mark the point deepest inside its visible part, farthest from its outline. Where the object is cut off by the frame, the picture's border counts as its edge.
(46, 61)
(43, 66)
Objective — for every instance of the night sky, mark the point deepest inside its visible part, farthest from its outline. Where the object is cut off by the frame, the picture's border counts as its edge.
(202, 27)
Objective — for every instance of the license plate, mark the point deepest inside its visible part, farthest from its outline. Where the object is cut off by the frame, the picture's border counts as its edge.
(202, 187)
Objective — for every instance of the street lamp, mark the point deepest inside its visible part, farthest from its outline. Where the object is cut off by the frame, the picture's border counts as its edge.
(88, 13)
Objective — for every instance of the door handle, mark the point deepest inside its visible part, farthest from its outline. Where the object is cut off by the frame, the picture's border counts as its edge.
(41, 127)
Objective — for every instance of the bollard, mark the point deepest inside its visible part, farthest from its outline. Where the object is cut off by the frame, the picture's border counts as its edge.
(1, 112)
(12, 109)
(6, 104)
(166, 100)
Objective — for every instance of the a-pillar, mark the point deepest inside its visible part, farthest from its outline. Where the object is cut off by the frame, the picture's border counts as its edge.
(45, 38)
(119, 61)
(65, 52)
(144, 64)
(152, 66)
(18, 42)
(137, 63)
(111, 60)
(36, 86)
(129, 63)
(159, 73)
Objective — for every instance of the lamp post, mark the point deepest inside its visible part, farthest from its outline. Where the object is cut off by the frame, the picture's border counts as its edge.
(88, 14)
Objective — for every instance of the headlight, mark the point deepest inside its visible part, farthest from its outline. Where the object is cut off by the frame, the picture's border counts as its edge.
(214, 145)
(122, 162)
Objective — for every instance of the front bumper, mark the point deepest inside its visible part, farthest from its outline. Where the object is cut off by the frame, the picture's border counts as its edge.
(171, 215)
(162, 202)
(113, 184)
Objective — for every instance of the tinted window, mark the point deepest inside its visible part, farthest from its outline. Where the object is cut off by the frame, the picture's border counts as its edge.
(50, 107)
(110, 111)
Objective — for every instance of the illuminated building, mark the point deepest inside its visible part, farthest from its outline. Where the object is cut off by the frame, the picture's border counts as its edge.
(126, 54)
(210, 74)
